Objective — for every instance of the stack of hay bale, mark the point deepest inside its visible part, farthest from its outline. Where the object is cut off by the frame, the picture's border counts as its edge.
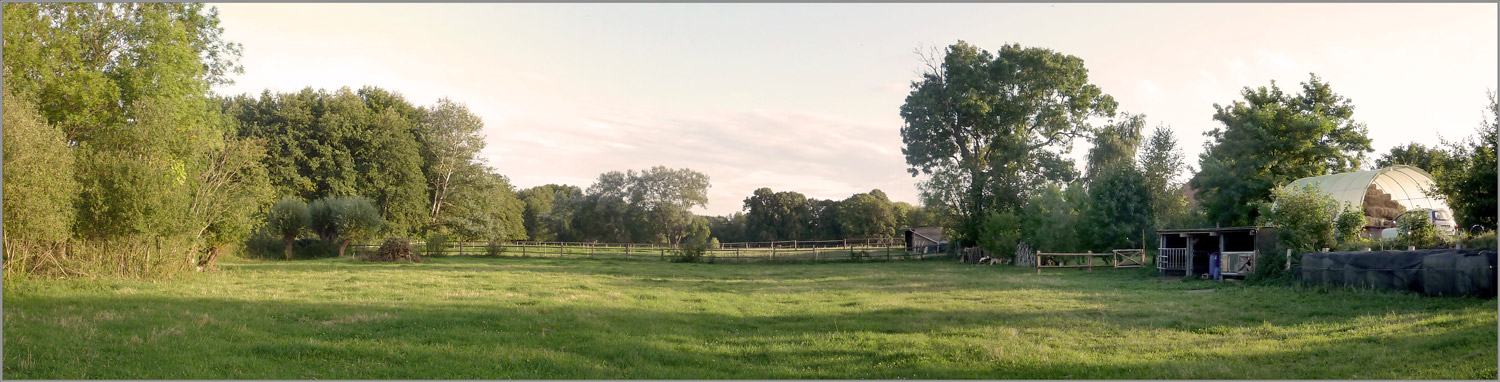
(1380, 209)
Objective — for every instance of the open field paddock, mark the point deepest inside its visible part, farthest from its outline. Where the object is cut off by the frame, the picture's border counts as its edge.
(465, 317)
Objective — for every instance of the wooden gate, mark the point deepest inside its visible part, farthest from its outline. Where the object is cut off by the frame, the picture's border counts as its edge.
(1130, 258)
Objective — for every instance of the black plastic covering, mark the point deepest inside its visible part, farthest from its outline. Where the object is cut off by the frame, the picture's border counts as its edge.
(1436, 272)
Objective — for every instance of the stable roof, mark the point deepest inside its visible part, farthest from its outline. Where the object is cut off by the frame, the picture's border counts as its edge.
(1250, 230)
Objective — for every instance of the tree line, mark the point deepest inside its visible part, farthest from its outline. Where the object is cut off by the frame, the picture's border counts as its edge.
(120, 160)
(653, 206)
(988, 130)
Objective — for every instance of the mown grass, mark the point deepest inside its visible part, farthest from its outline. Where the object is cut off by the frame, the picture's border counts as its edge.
(549, 318)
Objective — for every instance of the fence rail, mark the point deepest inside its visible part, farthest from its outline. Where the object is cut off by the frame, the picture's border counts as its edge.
(794, 244)
(1059, 260)
(802, 251)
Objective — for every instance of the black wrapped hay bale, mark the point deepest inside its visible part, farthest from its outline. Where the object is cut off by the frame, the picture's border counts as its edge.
(1459, 272)
(1435, 272)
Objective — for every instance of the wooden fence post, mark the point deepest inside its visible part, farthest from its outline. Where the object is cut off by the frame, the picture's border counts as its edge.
(1288, 259)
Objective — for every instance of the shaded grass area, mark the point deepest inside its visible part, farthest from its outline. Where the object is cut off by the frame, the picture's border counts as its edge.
(547, 318)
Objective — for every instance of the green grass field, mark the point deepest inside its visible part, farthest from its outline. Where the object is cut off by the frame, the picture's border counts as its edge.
(571, 318)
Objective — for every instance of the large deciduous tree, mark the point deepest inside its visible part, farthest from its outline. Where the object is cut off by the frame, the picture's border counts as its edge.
(451, 134)
(1468, 183)
(344, 142)
(1272, 138)
(486, 207)
(988, 128)
(867, 215)
(666, 198)
(1119, 208)
(1434, 160)
(1161, 161)
(548, 211)
(771, 215)
(128, 86)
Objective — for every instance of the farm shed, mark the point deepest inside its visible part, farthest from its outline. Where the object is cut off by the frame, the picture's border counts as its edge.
(923, 239)
(1385, 193)
(1187, 251)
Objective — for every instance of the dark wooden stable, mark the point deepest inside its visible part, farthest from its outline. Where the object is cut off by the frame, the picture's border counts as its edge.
(1186, 251)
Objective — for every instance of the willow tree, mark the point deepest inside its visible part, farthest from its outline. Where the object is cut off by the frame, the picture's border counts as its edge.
(988, 128)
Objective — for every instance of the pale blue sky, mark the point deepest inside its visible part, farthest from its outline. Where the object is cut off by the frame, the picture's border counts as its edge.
(805, 97)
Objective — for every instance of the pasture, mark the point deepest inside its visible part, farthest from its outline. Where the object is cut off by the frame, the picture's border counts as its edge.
(488, 318)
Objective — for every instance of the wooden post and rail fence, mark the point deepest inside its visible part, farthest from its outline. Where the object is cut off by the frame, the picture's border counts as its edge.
(767, 251)
(1119, 258)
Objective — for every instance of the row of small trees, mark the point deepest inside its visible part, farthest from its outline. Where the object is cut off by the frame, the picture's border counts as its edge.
(336, 220)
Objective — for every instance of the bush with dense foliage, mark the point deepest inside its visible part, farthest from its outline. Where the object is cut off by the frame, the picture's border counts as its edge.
(1415, 228)
(695, 244)
(1350, 223)
(1305, 218)
(435, 245)
(342, 220)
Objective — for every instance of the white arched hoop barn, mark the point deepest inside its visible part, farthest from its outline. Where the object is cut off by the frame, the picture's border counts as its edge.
(1385, 193)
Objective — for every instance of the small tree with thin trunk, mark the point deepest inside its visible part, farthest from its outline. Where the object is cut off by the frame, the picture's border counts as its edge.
(287, 218)
(344, 219)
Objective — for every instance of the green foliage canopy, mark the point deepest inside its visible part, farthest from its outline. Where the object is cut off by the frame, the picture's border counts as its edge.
(986, 127)
(287, 219)
(1272, 138)
(344, 219)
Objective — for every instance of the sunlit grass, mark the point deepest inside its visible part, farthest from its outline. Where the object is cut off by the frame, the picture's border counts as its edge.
(548, 318)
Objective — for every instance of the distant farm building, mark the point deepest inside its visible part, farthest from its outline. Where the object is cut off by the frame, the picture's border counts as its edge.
(1385, 193)
(924, 239)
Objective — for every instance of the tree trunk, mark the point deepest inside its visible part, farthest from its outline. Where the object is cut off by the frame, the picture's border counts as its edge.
(289, 240)
(342, 244)
(207, 261)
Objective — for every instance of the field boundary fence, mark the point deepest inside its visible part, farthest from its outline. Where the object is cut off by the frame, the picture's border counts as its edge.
(752, 252)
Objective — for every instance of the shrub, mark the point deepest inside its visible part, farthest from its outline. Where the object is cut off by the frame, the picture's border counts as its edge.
(1350, 224)
(1416, 229)
(1305, 218)
(435, 244)
(263, 246)
(693, 245)
(311, 248)
(494, 248)
(1481, 240)
(394, 249)
(1000, 232)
